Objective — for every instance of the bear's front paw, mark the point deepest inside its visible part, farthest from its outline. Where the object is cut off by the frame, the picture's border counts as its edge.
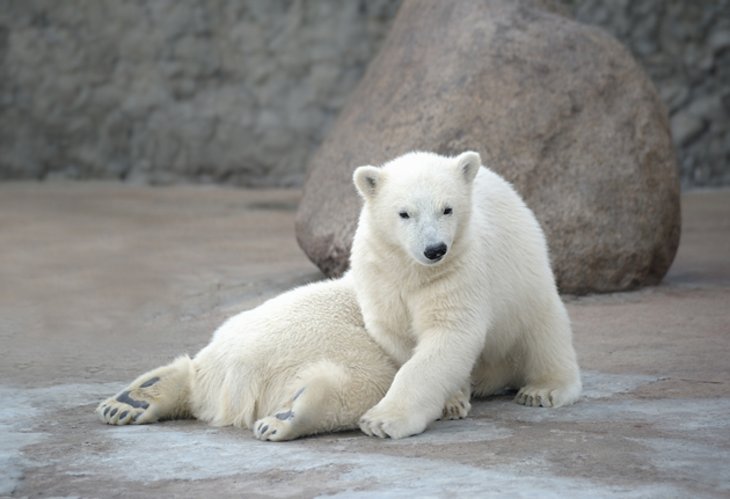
(384, 421)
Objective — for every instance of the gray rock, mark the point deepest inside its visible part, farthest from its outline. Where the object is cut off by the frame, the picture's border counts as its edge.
(720, 39)
(686, 128)
(176, 90)
(81, 83)
(558, 108)
(674, 96)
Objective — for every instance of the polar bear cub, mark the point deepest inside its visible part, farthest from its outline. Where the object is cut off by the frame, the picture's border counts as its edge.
(299, 364)
(452, 273)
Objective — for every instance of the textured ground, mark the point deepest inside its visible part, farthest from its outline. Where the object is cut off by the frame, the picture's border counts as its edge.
(99, 282)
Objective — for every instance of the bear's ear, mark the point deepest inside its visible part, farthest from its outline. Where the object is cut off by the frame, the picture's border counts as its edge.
(367, 180)
(468, 164)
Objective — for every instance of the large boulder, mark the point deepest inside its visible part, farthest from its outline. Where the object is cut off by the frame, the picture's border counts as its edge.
(560, 109)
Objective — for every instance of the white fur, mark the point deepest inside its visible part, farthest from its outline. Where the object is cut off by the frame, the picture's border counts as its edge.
(299, 364)
(488, 311)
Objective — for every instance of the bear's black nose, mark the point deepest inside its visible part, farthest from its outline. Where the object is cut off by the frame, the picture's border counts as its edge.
(435, 251)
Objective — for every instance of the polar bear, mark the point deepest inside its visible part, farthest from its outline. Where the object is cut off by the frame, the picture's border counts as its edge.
(452, 274)
(298, 364)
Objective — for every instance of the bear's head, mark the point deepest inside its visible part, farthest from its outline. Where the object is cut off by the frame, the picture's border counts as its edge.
(419, 202)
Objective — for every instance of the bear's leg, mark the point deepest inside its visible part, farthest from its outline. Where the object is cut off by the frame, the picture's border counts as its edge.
(162, 393)
(551, 375)
(458, 406)
(318, 403)
(493, 376)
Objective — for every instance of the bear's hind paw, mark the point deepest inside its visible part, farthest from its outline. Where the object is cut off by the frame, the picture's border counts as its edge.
(275, 428)
(114, 412)
(457, 407)
(547, 396)
(123, 409)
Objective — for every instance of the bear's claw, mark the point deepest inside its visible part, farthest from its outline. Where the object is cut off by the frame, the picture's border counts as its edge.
(123, 408)
(274, 429)
(373, 428)
(545, 396)
(386, 421)
(457, 407)
(114, 412)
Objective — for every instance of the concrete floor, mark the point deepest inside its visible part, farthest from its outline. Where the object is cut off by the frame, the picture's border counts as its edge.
(99, 282)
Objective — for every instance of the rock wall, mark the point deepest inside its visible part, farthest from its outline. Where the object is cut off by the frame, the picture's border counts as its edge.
(168, 90)
(242, 92)
(685, 48)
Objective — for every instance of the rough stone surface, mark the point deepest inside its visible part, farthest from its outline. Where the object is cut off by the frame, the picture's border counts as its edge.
(241, 92)
(559, 108)
(99, 283)
(685, 48)
(174, 90)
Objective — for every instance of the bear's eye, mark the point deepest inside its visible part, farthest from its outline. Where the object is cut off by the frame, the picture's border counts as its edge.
(404, 215)
(448, 210)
